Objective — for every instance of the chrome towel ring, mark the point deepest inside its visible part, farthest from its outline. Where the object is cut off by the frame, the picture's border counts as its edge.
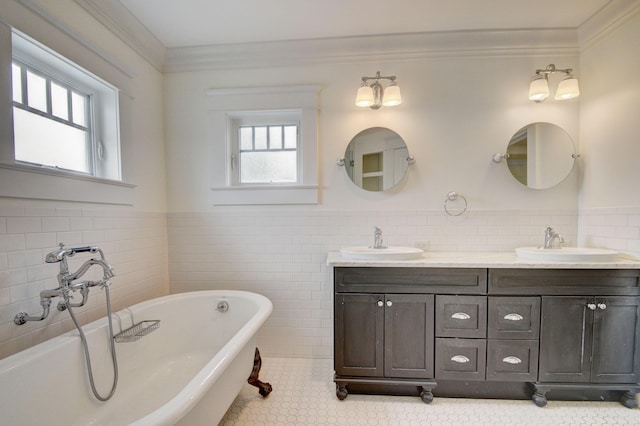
(452, 197)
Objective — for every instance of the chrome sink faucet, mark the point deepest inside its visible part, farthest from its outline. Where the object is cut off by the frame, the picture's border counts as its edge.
(550, 236)
(66, 280)
(378, 242)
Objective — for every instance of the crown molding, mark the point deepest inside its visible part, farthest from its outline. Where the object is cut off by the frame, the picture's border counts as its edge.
(75, 35)
(395, 47)
(117, 18)
(606, 20)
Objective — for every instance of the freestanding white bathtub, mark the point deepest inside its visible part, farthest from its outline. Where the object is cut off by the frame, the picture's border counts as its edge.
(188, 371)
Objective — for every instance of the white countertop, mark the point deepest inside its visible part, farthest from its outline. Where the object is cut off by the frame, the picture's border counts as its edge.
(436, 259)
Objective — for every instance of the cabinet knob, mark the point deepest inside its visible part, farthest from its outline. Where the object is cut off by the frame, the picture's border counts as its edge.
(602, 306)
(380, 303)
(591, 306)
(389, 303)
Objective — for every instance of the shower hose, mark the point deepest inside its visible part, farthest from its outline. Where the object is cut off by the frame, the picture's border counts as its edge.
(85, 347)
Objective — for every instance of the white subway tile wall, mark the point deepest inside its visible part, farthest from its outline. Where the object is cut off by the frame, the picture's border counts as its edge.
(282, 255)
(134, 243)
(278, 253)
(613, 228)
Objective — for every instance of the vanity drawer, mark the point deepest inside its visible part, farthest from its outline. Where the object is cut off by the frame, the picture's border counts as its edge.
(460, 359)
(512, 360)
(514, 318)
(410, 280)
(461, 316)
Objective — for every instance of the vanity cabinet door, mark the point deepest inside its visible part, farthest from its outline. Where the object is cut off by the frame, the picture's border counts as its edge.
(359, 334)
(566, 337)
(616, 340)
(595, 339)
(409, 335)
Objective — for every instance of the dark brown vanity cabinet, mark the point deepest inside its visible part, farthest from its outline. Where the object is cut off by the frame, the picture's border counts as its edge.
(470, 332)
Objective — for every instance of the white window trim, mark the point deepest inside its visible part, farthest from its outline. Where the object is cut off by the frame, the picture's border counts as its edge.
(227, 104)
(31, 182)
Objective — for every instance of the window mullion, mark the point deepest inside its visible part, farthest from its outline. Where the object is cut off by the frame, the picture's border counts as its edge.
(23, 78)
(47, 89)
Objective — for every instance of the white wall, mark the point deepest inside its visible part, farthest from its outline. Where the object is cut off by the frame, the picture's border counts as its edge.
(456, 113)
(133, 237)
(610, 135)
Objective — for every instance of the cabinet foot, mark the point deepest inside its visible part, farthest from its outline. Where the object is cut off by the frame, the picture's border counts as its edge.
(341, 392)
(629, 400)
(426, 396)
(539, 398)
(264, 389)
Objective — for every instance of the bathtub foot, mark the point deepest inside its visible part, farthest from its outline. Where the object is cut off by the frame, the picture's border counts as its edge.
(263, 388)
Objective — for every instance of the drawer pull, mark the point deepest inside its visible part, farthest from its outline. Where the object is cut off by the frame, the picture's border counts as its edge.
(512, 360)
(513, 317)
(461, 316)
(461, 359)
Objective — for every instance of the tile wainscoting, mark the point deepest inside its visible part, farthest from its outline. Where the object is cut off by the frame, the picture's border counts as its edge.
(134, 243)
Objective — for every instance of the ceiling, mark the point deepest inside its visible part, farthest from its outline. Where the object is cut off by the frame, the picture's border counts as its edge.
(215, 22)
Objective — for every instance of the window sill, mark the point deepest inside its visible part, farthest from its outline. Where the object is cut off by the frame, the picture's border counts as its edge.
(264, 194)
(32, 182)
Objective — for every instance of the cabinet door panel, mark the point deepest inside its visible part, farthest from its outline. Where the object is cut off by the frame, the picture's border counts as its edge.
(409, 335)
(461, 316)
(359, 323)
(616, 340)
(565, 340)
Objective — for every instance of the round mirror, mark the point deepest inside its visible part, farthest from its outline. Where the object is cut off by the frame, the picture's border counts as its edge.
(376, 159)
(540, 155)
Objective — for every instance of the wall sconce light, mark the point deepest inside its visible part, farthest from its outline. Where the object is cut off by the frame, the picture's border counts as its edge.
(539, 87)
(374, 95)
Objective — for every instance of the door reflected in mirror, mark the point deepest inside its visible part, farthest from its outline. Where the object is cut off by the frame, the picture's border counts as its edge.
(540, 155)
(376, 159)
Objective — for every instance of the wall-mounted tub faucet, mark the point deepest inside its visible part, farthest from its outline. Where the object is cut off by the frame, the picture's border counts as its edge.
(550, 236)
(66, 279)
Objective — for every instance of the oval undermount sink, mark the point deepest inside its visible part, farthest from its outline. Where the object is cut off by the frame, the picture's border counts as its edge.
(567, 254)
(386, 253)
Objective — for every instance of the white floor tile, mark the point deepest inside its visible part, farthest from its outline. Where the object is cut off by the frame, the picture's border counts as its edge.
(304, 394)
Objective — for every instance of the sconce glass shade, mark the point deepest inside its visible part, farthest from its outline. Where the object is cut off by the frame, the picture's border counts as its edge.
(539, 89)
(392, 96)
(568, 88)
(364, 97)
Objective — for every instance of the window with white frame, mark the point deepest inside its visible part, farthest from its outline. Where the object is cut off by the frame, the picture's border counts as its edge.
(265, 151)
(264, 145)
(64, 117)
(60, 135)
